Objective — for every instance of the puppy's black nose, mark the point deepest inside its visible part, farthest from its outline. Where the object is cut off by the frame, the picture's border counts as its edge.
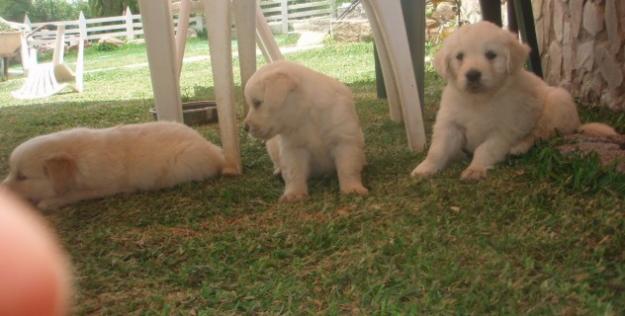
(246, 127)
(473, 75)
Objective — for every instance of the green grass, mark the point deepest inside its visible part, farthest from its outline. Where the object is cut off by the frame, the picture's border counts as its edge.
(528, 240)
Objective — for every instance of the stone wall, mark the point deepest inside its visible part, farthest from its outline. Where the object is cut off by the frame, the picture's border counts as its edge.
(581, 45)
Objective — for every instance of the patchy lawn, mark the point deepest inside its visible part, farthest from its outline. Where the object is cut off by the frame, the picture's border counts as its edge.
(542, 235)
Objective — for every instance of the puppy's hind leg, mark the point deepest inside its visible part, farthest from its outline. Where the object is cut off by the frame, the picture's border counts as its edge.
(523, 146)
(447, 142)
(194, 161)
(349, 161)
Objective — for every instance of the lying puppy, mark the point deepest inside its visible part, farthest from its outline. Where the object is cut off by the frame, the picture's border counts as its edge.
(491, 106)
(310, 125)
(65, 167)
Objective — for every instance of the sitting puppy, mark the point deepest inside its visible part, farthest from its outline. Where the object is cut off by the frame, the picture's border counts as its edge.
(491, 106)
(77, 164)
(310, 125)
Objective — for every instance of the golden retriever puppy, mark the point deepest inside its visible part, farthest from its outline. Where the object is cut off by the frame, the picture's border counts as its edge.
(77, 164)
(310, 124)
(491, 106)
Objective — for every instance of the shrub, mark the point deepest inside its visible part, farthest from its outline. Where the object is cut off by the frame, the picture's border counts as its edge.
(43, 10)
(105, 47)
(4, 27)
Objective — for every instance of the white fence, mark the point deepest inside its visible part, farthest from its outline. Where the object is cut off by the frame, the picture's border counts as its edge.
(283, 11)
(277, 12)
(127, 26)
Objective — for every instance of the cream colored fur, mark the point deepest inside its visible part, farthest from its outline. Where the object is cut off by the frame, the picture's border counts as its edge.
(505, 111)
(310, 125)
(65, 167)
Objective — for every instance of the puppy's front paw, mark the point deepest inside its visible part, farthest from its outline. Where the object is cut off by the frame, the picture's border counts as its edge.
(355, 189)
(473, 173)
(520, 149)
(293, 197)
(424, 170)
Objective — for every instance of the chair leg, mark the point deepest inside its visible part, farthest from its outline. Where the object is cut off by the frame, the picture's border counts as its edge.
(217, 13)
(245, 20)
(513, 26)
(525, 21)
(181, 33)
(266, 40)
(380, 87)
(414, 18)
(392, 32)
(159, 40)
(59, 45)
(392, 95)
(491, 11)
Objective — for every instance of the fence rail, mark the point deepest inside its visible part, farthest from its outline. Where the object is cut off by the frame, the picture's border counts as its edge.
(278, 13)
(281, 12)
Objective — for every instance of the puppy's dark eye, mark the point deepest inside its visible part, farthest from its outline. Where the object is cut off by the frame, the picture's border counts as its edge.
(460, 56)
(490, 55)
(20, 177)
(256, 103)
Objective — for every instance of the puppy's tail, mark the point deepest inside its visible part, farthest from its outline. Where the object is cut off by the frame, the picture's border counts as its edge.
(598, 130)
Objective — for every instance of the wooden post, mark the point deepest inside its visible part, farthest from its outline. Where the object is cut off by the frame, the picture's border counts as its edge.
(284, 5)
(159, 41)
(218, 24)
(130, 29)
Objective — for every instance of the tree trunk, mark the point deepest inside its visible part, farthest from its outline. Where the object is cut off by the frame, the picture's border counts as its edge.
(581, 45)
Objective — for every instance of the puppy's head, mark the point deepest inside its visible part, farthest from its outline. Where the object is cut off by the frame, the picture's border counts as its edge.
(37, 171)
(478, 58)
(268, 94)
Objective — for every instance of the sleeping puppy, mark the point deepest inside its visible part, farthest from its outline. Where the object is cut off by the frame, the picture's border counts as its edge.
(310, 125)
(491, 106)
(65, 167)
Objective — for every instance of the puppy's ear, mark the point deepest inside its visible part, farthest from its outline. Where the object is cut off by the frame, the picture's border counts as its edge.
(441, 61)
(278, 85)
(517, 53)
(61, 171)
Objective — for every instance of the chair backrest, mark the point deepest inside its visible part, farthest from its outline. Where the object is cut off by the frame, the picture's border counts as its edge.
(59, 45)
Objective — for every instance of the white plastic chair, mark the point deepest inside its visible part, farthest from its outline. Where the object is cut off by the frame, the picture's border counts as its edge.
(165, 54)
(46, 79)
(387, 22)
